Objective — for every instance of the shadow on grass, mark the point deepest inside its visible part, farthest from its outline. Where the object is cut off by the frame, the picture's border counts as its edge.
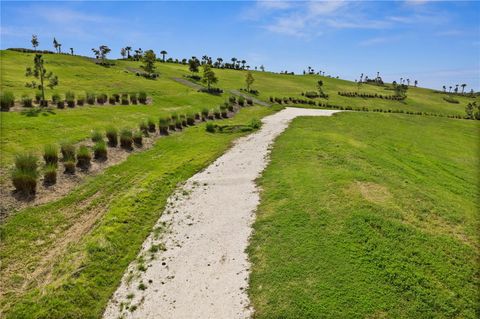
(33, 112)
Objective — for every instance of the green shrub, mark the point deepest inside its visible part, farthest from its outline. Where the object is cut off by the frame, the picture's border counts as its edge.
(190, 119)
(171, 124)
(125, 99)
(151, 125)
(197, 116)
(249, 101)
(25, 174)
(241, 100)
(183, 118)
(81, 100)
(112, 136)
(133, 98)
(143, 126)
(230, 107)
(116, 96)
(56, 98)
(96, 135)
(70, 98)
(211, 115)
(255, 123)
(232, 100)
(178, 124)
(68, 151)
(7, 100)
(61, 104)
(223, 111)
(102, 98)
(210, 127)
(450, 99)
(100, 150)
(138, 138)
(90, 98)
(50, 174)
(83, 157)
(204, 114)
(69, 166)
(38, 97)
(50, 154)
(142, 97)
(126, 138)
(112, 100)
(163, 125)
(217, 114)
(27, 101)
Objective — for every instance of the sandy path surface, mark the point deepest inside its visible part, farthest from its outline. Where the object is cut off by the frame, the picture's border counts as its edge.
(194, 263)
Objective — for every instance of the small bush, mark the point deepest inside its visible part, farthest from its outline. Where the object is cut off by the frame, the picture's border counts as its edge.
(38, 97)
(100, 150)
(69, 166)
(163, 126)
(249, 101)
(7, 100)
(50, 174)
(230, 107)
(142, 97)
(112, 136)
(55, 98)
(126, 138)
(133, 98)
(68, 151)
(112, 100)
(217, 114)
(210, 127)
(96, 135)
(151, 126)
(50, 154)
(138, 138)
(90, 98)
(255, 123)
(241, 101)
(125, 99)
(143, 126)
(61, 104)
(116, 96)
(178, 124)
(197, 116)
(27, 101)
(25, 174)
(171, 124)
(81, 100)
(183, 118)
(102, 98)
(223, 111)
(190, 119)
(70, 98)
(204, 114)
(232, 99)
(83, 157)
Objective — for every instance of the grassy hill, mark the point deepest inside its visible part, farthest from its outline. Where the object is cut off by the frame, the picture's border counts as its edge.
(362, 214)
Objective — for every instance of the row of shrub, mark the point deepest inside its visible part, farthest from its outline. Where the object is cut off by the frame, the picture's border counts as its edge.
(372, 96)
(450, 99)
(251, 91)
(25, 174)
(292, 100)
(7, 99)
(314, 95)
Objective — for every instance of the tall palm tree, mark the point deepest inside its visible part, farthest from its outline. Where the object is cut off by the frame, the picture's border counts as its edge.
(408, 82)
(444, 88)
(128, 49)
(463, 87)
(415, 83)
(71, 51)
(55, 44)
(243, 64)
(449, 89)
(163, 53)
(233, 61)
(219, 60)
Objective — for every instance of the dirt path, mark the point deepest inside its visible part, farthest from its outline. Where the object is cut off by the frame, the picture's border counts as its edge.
(199, 268)
(255, 100)
(188, 83)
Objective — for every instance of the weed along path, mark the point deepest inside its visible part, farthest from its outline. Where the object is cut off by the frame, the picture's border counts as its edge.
(194, 265)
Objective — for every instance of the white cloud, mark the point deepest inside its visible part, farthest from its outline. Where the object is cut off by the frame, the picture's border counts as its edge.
(274, 5)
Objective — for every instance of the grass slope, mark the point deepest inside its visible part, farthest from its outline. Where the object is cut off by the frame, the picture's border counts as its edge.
(66, 258)
(369, 216)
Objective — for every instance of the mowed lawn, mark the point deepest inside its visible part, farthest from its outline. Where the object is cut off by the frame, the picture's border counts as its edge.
(369, 216)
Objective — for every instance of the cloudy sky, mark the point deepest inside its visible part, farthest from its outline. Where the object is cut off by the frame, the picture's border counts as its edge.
(435, 42)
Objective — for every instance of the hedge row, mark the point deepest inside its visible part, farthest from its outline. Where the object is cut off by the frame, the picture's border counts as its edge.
(372, 96)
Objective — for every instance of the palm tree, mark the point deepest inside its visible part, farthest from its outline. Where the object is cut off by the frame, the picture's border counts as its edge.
(163, 53)
(219, 61)
(59, 48)
(123, 53)
(415, 83)
(243, 64)
(71, 51)
(55, 44)
(463, 87)
(34, 42)
(128, 49)
(450, 89)
(444, 88)
(233, 61)
(408, 82)
(361, 76)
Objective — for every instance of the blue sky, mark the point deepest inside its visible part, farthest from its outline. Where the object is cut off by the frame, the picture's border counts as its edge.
(435, 42)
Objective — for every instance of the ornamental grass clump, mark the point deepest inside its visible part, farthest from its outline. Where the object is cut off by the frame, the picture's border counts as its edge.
(138, 138)
(61, 104)
(133, 98)
(112, 100)
(83, 157)
(50, 154)
(25, 174)
(90, 98)
(70, 98)
(7, 100)
(241, 101)
(190, 119)
(100, 150)
(163, 125)
(69, 167)
(55, 98)
(223, 111)
(38, 97)
(126, 138)
(27, 101)
(68, 151)
(171, 124)
(249, 101)
(50, 174)
(143, 126)
(204, 114)
(210, 127)
(217, 113)
(81, 100)
(232, 100)
(116, 96)
(125, 99)
(230, 106)
(112, 136)
(97, 135)
(102, 98)
(151, 126)
(142, 97)
(211, 115)
(178, 124)
(183, 119)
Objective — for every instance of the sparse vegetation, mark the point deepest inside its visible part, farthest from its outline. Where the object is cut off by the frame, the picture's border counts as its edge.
(50, 154)
(83, 157)
(112, 136)
(126, 138)
(25, 174)
(100, 150)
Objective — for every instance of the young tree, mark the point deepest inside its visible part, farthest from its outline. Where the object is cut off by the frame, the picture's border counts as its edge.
(149, 59)
(320, 87)
(463, 87)
(123, 53)
(39, 72)
(163, 53)
(193, 64)
(249, 80)
(71, 51)
(415, 83)
(444, 88)
(34, 42)
(128, 49)
(55, 44)
(209, 76)
(401, 90)
(262, 68)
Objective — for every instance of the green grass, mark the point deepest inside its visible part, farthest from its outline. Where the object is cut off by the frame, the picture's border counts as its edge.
(111, 215)
(369, 216)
